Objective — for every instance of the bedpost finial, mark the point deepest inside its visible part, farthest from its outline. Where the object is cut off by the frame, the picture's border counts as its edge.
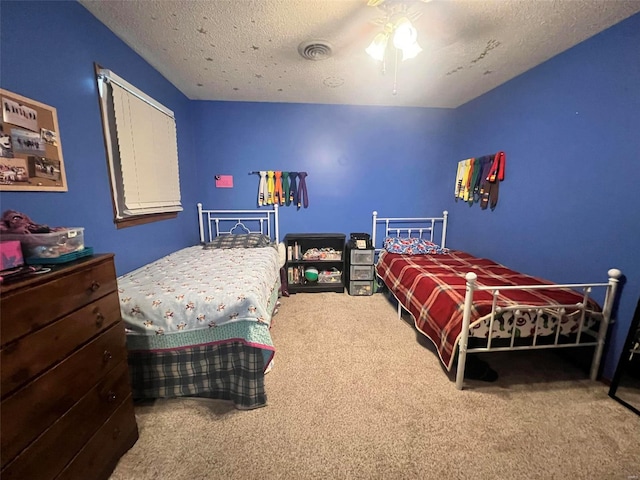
(614, 273)
(375, 212)
(471, 277)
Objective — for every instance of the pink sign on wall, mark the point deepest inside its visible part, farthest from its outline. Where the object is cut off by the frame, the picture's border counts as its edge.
(224, 181)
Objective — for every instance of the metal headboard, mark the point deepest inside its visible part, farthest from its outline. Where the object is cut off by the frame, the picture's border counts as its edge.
(420, 227)
(214, 223)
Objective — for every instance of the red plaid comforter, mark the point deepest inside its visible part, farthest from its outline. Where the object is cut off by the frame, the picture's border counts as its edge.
(432, 289)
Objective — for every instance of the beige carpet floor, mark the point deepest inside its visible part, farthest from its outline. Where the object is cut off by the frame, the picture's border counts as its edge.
(357, 393)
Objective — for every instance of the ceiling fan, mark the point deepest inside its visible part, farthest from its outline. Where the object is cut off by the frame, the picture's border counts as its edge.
(434, 21)
(396, 29)
(439, 23)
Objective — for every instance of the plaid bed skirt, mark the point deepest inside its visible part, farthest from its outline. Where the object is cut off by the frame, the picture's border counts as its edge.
(227, 371)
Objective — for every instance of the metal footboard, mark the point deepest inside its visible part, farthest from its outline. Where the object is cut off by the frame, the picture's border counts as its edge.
(555, 310)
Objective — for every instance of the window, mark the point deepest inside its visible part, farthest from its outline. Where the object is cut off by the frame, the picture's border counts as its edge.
(140, 136)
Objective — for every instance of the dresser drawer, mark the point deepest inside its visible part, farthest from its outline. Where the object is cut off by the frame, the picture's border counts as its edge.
(32, 409)
(51, 451)
(27, 310)
(27, 357)
(99, 457)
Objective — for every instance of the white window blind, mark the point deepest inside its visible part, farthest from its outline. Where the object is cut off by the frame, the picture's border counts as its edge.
(143, 151)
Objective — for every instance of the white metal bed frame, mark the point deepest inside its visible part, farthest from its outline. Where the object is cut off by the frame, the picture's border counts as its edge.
(410, 227)
(261, 221)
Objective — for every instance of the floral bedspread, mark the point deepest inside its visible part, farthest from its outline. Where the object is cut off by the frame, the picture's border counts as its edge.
(188, 294)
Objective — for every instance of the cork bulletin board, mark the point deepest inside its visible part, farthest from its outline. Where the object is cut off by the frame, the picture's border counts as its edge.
(30, 149)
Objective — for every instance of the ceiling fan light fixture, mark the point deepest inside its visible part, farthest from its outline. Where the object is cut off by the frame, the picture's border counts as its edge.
(404, 33)
(405, 38)
(378, 46)
(411, 51)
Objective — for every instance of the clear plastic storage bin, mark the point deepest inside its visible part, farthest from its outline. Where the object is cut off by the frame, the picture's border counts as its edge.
(361, 272)
(330, 276)
(49, 245)
(362, 257)
(358, 287)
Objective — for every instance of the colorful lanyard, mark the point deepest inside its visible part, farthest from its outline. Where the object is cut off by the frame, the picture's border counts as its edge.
(497, 169)
(464, 193)
(277, 194)
(303, 198)
(262, 188)
(459, 175)
(293, 194)
(270, 187)
(285, 184)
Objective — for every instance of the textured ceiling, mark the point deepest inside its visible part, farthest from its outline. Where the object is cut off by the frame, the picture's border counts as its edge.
(248, 50)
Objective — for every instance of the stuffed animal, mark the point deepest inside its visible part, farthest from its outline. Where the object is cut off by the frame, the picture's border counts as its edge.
(16, 222)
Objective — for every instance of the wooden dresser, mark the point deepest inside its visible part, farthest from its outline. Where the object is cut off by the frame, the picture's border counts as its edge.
(66, 410)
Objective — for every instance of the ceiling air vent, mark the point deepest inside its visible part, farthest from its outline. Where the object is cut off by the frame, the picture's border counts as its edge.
(315, 50)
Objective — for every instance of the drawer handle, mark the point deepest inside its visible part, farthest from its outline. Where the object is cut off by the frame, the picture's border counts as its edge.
(111, 396)
(99, 319)
(94, 286)
(107, 356)
(116, 433)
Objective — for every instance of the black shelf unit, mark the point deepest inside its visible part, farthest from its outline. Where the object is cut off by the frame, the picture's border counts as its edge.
(297, 244)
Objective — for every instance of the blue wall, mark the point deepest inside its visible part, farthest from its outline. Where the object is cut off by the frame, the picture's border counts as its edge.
(568, 209)
(568, 127)
(48, 50)
(357, 158)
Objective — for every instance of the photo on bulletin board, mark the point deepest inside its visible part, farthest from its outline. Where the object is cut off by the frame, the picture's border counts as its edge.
(30, 149)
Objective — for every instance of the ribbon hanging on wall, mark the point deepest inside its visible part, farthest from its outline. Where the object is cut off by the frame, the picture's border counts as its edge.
(478, 179)
(283, 188)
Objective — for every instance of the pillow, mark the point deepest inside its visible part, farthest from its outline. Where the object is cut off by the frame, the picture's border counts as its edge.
(244, 240)
(412, 246)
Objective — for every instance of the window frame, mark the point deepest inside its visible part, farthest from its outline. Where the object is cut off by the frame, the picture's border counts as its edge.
(121, 218)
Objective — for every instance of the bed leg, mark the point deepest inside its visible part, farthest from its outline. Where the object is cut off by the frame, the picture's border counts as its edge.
(597, 354)
(399, 310)
(614, 276)
(466, 320)
(200, 223)
(595, 363)
(462, 360)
